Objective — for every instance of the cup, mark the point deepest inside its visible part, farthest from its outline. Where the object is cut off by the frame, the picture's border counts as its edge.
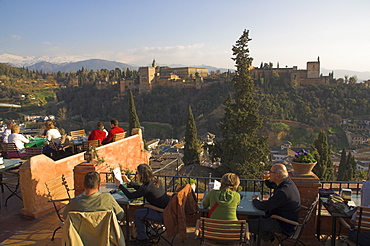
(266, 176)
(1, 160)
(211, 185)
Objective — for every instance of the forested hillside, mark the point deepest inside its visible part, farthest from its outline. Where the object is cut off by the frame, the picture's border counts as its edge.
(316, 106)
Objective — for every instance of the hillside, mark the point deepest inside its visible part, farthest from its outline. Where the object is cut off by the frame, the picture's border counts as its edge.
(73, 96)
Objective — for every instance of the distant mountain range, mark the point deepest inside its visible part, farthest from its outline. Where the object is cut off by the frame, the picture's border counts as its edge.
(55, 64)
(47, 64)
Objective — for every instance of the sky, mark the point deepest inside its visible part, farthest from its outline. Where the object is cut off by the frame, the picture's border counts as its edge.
(189, 32)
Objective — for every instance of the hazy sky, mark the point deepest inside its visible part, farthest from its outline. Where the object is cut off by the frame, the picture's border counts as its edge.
(191, 32)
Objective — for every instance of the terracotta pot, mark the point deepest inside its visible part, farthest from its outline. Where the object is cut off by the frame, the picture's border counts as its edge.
(303, 168)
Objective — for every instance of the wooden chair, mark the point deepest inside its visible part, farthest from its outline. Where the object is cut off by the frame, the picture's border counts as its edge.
(119, 136)
(58, 193)
(11, 151)
(362, 226)
(92, 228)
(295, 237)
(214, 232)
(78, 133)
(32, 151)
(86, 144)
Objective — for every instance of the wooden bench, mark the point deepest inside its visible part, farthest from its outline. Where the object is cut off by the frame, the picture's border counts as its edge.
(78, 133)
(86, 144)
(119, 136)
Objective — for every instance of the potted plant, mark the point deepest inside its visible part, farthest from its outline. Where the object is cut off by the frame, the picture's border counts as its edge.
(303, 162)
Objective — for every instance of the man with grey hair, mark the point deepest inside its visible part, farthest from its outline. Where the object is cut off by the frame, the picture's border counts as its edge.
(92, 200)
(7, 131)
(284, 202)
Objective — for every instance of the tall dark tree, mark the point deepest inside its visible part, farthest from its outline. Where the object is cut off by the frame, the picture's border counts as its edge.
(342, 170)
(324, 167)
(192, 144)
(242, 151)
(133, 120)
(351, 167)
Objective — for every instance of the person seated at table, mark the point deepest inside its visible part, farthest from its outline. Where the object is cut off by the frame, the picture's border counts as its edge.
(224, 202)
(99, 133)
(92, 199)
(7, 131)
(17, 138)
(114, 130)
(284, 202)
(364, 237)
(52, 134)
(153, 192)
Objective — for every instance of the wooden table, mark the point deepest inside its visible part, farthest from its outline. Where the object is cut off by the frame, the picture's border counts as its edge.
(334, 216)
(245, 208)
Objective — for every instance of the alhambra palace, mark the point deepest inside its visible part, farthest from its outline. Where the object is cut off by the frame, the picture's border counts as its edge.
(154, 76)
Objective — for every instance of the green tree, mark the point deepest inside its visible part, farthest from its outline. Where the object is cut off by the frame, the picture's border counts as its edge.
(242, 152)
(324, 167)
(192, 144)
(351, 164)
(342, 170)
(133, 120)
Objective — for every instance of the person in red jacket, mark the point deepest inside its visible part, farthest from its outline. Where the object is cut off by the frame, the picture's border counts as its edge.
(99, 133)
(114, 130)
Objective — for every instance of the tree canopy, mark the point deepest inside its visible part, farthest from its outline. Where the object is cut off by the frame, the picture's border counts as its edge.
(242, 151)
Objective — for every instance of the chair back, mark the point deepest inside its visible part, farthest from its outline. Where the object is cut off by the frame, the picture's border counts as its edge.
(77, 133)
(119, 136)
(92, 228)
(58, 192)
(363, 219)
(222, 231)
(10, 150)
(299, 228)
(32, 151)
(93, 143)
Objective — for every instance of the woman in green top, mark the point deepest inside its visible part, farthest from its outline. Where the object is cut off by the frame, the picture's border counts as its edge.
(227, 198)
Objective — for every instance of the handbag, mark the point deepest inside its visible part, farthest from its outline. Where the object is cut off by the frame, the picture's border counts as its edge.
(212, 209)
(335, 203)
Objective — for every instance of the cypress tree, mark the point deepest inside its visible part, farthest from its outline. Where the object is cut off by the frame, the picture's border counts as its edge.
(342, 169)
(192, 144)
(351, 164)
(133, 120)
(324, 167)
(242, 152)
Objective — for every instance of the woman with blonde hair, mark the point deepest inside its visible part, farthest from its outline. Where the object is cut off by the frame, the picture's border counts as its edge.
(224, 202)
(52, 134)
(17, 138)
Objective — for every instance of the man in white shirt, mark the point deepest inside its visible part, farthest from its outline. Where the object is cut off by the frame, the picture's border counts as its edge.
(17, 138)
(7, 131)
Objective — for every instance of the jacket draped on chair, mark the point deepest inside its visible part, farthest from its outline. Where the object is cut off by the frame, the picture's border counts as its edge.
(182, 203)
(92, 228)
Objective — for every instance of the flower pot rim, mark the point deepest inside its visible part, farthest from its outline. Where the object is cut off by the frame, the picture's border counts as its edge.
(304, 162)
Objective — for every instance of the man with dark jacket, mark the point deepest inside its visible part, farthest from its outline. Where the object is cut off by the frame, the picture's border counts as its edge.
(284, 202)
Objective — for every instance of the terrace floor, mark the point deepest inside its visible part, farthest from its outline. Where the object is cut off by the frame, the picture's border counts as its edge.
(17, 230)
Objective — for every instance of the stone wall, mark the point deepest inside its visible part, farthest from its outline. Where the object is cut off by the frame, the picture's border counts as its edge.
(127, 153)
